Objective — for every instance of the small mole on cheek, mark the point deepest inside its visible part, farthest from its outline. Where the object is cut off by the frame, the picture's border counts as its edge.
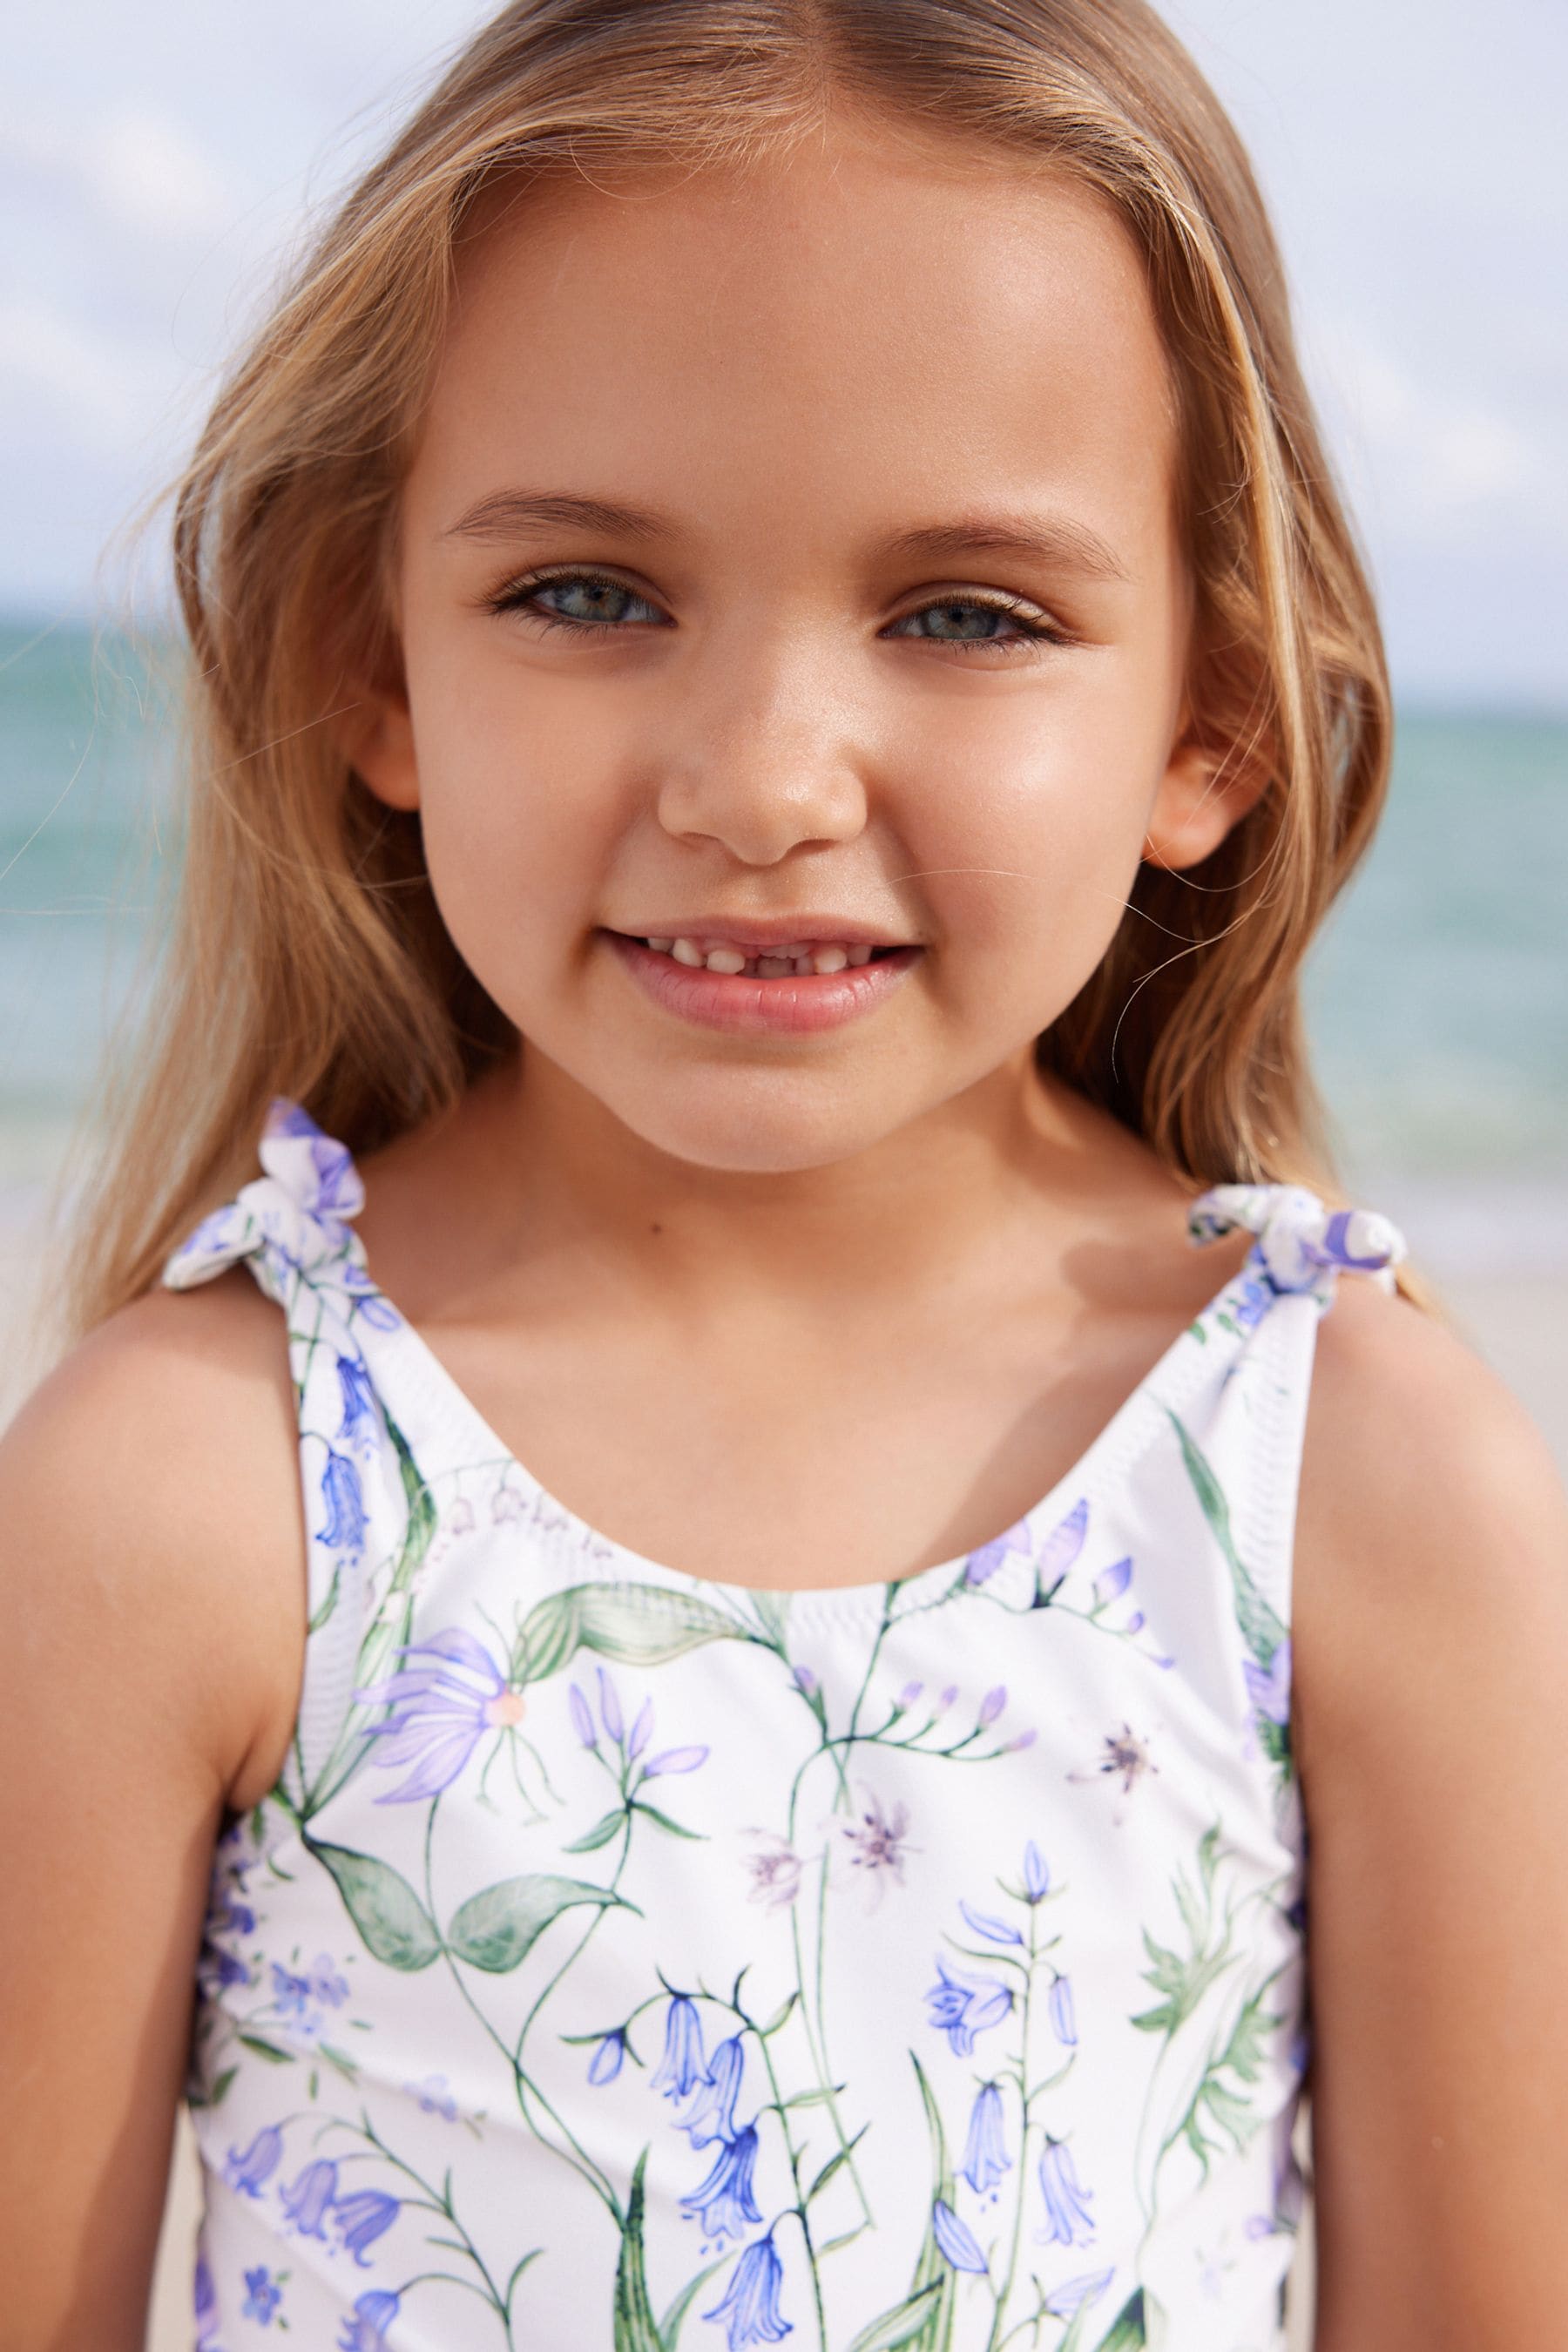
(656, 1229)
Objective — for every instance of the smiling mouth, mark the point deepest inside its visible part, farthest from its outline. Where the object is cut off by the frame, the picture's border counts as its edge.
(790, 959)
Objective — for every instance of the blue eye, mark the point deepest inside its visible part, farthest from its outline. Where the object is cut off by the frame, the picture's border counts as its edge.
(592, 603)
(972, 621)
(588, 600)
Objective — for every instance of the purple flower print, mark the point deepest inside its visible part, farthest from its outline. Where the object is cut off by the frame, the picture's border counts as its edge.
(751, 2307)
(985, 1923)
(642, 1730)
(301, 1999)
(1113, 1582)
(909, 1694)
(1037, 1873)
(344, 1531)
(582, 1716)
(361, 2219)
(1068, 2298)
(610, 1708)
(606, 2061)
(433, 2097)
(315, 1168)
(683, 2065)
(439, 1714)
(205, 2304)
(986, 2156)
(249, 2170)
(712, 2114)
(673, 1760)
(960, 2007)
(367, 1300)
(982, 1565)
(262, 2296)
(506, 1504)
(1269, 1687)
(1068, 2222)
(1063, 2016)
(724, 2201)
(877, 1842)
(806, 1682)
(955, 2240)
(358, 1397)
(305, 2204)
(775, 1869)
(373, 2316)
(990, 1706)
(1062, 1547)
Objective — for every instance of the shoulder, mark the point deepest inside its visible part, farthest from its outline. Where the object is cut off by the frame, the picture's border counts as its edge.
(150, 1490)
(1433, 1525)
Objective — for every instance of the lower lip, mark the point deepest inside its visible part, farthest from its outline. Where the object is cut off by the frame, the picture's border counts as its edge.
(797, 1007)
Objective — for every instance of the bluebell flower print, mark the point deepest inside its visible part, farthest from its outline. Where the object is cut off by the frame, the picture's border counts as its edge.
(361, 2219)
(262, 2296)
(673, 1760)
(1037, 1873)
(1065, 2301)
(306, 2202)
(373, 2313)
(345, 1527)
(712, 2114)
(205, 2304)
(1062, 1545)
(724, 2202)
(750, 2308)
(1113, 1582)
(683, 2065)
(605, 2061)
(439, 1714)
(358, 1398)
(986, 1924)
(302, 1999)
(1068, 2222)
(986, 2156)
(433, 2097)
(982, 1565)
(1063, 2014)
(1269, 1687)
(249, 2171)
(990, 1706)
(960, 2007)
(956, 2240)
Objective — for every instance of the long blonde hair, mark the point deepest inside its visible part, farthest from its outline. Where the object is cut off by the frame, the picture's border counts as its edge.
(307, 955)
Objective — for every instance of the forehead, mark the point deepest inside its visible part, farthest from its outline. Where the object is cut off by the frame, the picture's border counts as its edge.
(865, 318)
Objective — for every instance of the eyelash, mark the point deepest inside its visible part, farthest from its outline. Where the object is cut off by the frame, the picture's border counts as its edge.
(513, 597)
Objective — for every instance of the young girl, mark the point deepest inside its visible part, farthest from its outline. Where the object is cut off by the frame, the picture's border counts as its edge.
(782, 691)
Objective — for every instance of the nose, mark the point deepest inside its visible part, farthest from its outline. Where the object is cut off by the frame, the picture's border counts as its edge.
(762, 759)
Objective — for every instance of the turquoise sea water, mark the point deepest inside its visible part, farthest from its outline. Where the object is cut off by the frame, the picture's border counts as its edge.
(1438, 995)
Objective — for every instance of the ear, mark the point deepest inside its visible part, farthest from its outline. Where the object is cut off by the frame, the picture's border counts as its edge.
(376, 738)
(1207, 788)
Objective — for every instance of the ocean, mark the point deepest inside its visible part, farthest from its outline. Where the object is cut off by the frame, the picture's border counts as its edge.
(1438, 995)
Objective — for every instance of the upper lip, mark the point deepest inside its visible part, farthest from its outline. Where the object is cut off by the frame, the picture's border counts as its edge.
(761, 931)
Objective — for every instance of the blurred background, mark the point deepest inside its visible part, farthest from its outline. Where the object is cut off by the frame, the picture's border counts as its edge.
(158, 164)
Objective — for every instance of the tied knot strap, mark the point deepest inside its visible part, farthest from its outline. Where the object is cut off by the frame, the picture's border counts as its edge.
(1299, 1244)
(292, 1218)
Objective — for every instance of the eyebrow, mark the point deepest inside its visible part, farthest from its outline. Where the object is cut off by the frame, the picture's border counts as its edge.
(1070, 545)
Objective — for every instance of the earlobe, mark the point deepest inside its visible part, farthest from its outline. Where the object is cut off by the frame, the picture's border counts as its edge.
(1206, 789)
(376, 738)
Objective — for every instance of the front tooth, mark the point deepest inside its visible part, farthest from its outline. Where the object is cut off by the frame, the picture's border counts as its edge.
(859, 955)
(825, 960)
(686, 952)
(727, 960)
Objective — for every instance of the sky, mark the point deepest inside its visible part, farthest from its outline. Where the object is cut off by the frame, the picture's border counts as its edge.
(158, 163)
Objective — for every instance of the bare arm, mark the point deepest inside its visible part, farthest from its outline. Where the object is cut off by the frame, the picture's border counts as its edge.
(152, 1626)
(1431, 1657)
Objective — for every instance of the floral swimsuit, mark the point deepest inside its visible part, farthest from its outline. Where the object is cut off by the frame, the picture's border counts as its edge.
(630, 1961)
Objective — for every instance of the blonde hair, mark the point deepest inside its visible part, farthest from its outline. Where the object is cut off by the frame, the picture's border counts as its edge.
(308, 957)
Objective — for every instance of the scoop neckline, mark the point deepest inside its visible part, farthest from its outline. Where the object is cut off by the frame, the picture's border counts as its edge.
(1118, 1439)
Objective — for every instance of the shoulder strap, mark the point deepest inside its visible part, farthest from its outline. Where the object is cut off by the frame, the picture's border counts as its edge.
(1299, 1244)
(364, 1513)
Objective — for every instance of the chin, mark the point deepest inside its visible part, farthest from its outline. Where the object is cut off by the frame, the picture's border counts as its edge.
(747, 1126)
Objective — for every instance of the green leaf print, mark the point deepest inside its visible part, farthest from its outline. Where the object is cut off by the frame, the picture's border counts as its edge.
(934, 2278)
(635, 1624)
(633, 2323)
(497, 1928)
(1128, 2330)
(903, 2325)
(393, 1922)
(1262, 1629)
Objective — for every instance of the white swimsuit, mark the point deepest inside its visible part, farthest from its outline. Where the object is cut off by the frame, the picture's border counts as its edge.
(636, 1962)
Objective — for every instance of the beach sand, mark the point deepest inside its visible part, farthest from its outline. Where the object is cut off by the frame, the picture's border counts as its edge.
(1519, 1321)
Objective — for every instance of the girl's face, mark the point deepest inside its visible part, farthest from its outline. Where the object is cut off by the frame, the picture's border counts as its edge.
(789, 562)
